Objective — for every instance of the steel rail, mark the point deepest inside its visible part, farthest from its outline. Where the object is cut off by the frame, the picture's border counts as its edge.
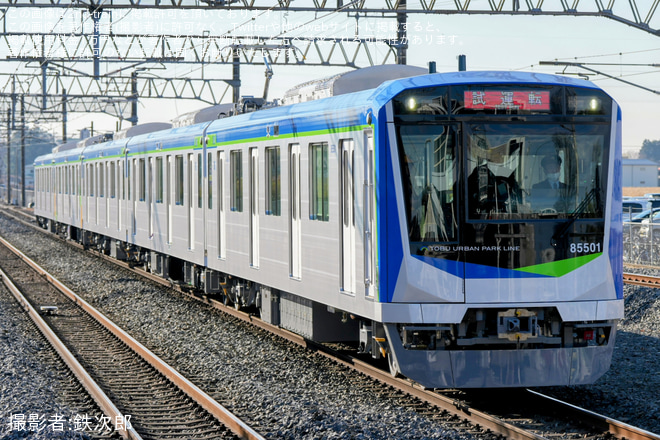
(614, 427)
(237, 426)
(94, 390)
(641, 280)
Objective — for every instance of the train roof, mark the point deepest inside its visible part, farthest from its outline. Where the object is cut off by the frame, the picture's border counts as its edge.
(308, 116)
(390, 89)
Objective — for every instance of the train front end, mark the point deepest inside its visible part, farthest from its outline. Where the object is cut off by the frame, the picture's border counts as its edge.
(500, 236)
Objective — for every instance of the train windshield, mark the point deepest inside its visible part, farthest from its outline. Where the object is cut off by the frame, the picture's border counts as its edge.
(539, 171)
(514, 172)
(429, 169)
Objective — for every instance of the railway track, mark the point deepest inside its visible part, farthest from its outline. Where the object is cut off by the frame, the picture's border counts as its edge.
(463, 407)
(641, 280)
(141, 396)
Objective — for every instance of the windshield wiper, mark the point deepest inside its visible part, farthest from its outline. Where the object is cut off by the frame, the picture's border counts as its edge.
(591, 195)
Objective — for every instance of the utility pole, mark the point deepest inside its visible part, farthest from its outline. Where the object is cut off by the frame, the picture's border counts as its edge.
(22, 162)
(8, 155)
(96, 39)
(402, 34)
(462, 63)
(236, 74)
(64, 115)
(134, 97)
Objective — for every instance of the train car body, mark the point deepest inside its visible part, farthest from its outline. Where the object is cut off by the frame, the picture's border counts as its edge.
(466, 226)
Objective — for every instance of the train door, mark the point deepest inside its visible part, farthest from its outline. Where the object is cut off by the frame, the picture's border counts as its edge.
(77, 197)
(95, 192)
(150, 196)
(254, 207)
(347, 206)
(109, 193)
(295, 224)
(134, 187)
(122, 194)
(369, 220)
(222, 246)
(191, 206)
(68, 192)
(169, 165)
(92, 193)
(116, 193)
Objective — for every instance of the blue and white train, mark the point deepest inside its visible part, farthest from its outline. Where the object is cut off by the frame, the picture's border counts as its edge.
(465, 226)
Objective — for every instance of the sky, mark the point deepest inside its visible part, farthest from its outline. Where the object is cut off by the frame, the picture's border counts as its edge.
(489, 42)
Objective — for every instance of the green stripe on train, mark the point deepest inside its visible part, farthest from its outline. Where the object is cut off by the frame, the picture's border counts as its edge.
(560, 268)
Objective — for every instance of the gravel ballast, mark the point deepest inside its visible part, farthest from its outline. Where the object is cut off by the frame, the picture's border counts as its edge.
(32, 381)
(211, 348)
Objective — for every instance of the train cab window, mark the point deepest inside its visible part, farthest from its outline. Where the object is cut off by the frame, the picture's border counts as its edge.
(536, 171)
(178, 180)
(236, 167)
(318, 178)
(429, 169)
(273, 181)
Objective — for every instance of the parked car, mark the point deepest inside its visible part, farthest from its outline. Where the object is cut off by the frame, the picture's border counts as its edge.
(645, 215)
(632, 207)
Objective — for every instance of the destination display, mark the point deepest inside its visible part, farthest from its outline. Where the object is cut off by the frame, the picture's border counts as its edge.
(507, 100)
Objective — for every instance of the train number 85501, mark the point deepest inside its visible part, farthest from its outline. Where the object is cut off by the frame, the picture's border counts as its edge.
(585, 248)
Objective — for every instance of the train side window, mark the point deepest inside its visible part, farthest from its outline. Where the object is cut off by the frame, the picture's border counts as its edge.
(159, 180)
(318, 179)
(236, 165)
(273, 181)
(143, 181)
(101, 180)
(90, 168)
(112, 178)
(178, 180)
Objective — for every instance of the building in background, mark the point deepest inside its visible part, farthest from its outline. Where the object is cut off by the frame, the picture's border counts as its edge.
(639, 172)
